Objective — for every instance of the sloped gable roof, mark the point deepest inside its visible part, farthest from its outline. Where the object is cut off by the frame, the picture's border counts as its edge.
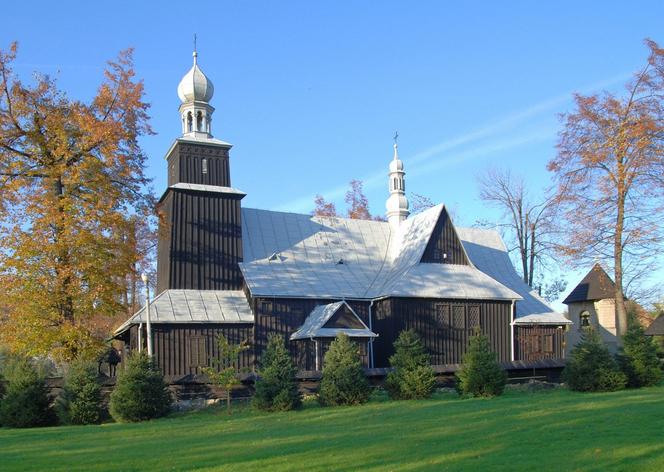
(287, 254)
(194, 306)
(656, 328)
(596, 285)
(315, 326)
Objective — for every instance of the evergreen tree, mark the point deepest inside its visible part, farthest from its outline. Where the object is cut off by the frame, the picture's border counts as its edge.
(80, 402)
(276, 388)
(343, 382)
(481, 375)
(591, 368)
(638, 358)
(412, 377)
(140, 392)
(26, 402)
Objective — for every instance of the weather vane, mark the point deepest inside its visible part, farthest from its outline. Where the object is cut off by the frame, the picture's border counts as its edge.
(396, 136)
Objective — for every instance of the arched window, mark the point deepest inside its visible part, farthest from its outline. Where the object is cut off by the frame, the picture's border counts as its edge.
(584, 319)
(190, 123)
(199, 121)
(403, 184)
(395, 185)
(205, 166)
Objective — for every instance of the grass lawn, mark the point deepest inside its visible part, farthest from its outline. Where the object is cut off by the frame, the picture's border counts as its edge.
(554, 430)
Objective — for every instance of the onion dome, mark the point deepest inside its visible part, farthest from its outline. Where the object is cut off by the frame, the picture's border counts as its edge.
(195, 86)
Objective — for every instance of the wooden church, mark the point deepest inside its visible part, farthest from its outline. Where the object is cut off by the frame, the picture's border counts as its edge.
(248, 273)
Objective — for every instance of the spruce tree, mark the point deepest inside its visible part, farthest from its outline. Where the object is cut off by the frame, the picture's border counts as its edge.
(591, 368)
(638, 358)
(140, 391)
(276, 388)
(80, 402)
(343, 382)
(412, 377)
(481, 375)
(26, 402)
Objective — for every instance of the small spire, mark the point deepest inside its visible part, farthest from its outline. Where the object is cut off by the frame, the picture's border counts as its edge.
(195, 52)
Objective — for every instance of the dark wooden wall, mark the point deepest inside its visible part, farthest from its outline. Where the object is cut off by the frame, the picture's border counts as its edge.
(536, 342)
(444, 241)
(284, 316)
(185, 164)
(305, 352)
(444, 326)
(184, 349)
(200, 241)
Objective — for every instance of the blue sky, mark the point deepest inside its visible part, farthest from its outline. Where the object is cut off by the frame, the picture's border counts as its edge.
(310, 93)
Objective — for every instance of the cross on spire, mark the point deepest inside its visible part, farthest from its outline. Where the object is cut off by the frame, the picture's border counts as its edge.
(195, 51)
(396, 137)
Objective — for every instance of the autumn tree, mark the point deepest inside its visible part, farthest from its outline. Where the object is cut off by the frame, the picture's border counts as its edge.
(358, 204)
(72, 190)
(610, 177)
(356, 201)
(526, 220)
(324, 208)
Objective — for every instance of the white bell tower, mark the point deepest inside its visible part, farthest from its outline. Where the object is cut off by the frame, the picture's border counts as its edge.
(397, 203)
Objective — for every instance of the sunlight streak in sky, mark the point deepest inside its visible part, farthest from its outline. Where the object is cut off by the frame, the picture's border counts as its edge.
(485, 140)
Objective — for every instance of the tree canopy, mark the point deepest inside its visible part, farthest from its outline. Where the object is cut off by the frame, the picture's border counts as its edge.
(72, 194)
(610, 177)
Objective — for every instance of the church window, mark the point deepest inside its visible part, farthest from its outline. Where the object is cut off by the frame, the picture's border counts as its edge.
(204, 166)
(459, 316)
(197, 351)
(584, 319)
(547, 344)
(473, 317)
(190, 123)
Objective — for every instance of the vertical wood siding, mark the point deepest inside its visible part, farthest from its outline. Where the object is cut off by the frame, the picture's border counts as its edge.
(444, 241)
(444, 326)
(185, 165)
(536, 342)
(184, 349)
(200, 242)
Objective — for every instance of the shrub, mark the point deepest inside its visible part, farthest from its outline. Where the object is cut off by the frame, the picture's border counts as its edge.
(412, 377)
(80, 402)
(638, 358)
(481, 375)
(225, 369)
(276, 389)
(343, 381)
(591, 368)
(26, 403)
(140, 392)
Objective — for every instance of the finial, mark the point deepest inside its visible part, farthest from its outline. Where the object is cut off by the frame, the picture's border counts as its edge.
(396, 145)
(195, 52)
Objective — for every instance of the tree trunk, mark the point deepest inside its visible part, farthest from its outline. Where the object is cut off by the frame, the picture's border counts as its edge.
(621, 313)
(67, 304)
(531, 255)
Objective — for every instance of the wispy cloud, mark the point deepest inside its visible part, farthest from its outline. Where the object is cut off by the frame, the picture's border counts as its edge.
(487, 139)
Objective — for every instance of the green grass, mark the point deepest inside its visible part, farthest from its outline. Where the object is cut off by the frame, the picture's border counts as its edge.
(556, 430)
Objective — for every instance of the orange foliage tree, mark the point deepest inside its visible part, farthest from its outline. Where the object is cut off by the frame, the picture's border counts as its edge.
(358, 204)
(72, 191)
(610, 177)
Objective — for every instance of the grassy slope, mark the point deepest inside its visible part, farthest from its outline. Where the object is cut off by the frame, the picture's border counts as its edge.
(557, 430)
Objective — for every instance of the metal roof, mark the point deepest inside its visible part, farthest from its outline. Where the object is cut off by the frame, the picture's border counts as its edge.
(207, 188)
(596, 285)
(195, 306)
(488, 252)
(297, 255)
(293, 255)
(313, 326)
(656, 328)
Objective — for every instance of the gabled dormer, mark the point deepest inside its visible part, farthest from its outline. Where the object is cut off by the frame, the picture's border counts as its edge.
(444, 246)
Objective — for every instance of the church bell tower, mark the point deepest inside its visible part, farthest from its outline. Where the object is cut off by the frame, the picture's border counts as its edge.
(200, 234)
